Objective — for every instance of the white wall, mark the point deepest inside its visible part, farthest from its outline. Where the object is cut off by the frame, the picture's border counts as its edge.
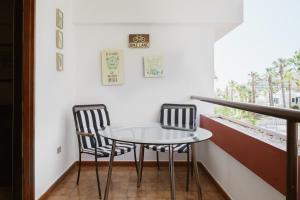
(54, 95)
(237, 181)
(188, 55)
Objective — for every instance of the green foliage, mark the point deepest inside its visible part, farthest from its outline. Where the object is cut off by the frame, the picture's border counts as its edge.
(295, 107)
(283, 75)
(240, 115)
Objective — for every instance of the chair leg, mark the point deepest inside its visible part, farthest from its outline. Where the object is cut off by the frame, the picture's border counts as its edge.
(196, 171)
(111, 161)
(141, 163)
(79, 168)
(97, 174)
(172, 173)
(157, 160)
(188, 170)
(135, 161)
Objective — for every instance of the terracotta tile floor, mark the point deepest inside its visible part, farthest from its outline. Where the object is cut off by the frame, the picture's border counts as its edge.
(155, 185)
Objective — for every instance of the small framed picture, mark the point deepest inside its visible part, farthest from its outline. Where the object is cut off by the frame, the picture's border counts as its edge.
(153, 66)
(59, 39)
(112, 67)
(59, 62)
(59, 19)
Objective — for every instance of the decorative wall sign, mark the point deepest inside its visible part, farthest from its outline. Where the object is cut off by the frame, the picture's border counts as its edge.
(112, 67)
(59, 39)
(59, 62)
(139, 41)
(153, 66)
(59, 19)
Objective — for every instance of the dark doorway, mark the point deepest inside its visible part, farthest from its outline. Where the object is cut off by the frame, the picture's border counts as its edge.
(6, 97)
(16, 143)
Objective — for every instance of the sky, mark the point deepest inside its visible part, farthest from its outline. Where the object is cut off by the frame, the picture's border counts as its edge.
(270, 30)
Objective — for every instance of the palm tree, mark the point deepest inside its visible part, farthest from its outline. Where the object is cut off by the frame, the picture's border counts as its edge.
(289, 77)
(243, 92)
(270, 73)
(232, 86)
(254, 76)
(246, 93)
(226, 93)
(295, 62)
(239, 91)
(220, 93)
(280, 65)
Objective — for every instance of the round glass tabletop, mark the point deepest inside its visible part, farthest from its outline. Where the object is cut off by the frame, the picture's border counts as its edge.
(155, 133)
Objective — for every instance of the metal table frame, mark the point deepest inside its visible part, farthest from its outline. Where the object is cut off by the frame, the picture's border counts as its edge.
(171, 170)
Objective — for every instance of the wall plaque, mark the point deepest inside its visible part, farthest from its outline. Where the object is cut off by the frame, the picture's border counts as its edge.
(139, 41)
(112, 67)
(153, 66)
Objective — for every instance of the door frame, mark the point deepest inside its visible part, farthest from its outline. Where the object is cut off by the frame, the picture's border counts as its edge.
(28, 62)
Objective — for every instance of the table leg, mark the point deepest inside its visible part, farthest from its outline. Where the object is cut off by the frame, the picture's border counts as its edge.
(171, 170)
(141, 161)
(110, 170)
(195, 167)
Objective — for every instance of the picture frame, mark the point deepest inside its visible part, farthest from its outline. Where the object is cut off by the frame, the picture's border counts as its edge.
(112, 67)
(153, 66)
(59, 62)
(59, 39)
(59, 19)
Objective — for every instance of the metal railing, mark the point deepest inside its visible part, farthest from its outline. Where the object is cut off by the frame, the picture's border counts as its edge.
(293, 118)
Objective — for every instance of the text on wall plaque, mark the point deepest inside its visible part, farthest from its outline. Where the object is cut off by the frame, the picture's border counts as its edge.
(139, 41)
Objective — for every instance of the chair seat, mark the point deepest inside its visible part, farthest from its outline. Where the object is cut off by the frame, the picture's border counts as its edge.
(105, 151)
(180, 148)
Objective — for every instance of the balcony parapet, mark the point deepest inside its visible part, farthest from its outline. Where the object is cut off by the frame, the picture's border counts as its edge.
(292, 117)
(260, 155)
(268, 136)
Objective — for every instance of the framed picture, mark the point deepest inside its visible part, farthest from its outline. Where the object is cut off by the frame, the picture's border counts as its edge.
(59, 39)
(153, 66)
(59, 62)
(59, 19)
(112, 67)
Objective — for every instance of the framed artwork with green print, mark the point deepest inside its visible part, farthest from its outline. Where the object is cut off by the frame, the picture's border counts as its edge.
(153, 66)
(112, 67)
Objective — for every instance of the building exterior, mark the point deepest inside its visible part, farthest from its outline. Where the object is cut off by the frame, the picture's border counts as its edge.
(295, 98)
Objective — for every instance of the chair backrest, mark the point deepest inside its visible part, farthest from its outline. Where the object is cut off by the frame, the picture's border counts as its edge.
(178, 115)
(91, 119)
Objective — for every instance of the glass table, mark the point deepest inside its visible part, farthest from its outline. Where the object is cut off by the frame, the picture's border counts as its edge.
(155, 133)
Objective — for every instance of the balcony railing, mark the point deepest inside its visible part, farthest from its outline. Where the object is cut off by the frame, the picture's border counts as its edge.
(293, 118)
